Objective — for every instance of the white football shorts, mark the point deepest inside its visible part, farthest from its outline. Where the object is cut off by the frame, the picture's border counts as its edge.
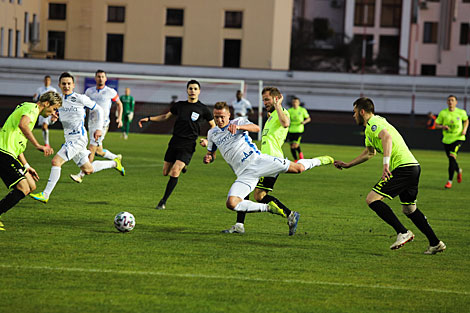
(263, 166)
(75, 150)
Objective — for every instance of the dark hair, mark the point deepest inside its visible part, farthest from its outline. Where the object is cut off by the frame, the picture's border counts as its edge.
(193, 81)
(273, 91)
(66, 74)
(51, 96)
(452, 96)
(100, 71)
(221, 106)
(295, 98)
(47, 76)
(365, 104)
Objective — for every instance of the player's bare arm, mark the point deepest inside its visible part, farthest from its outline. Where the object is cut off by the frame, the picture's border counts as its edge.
(119, 113)
(366, 154)
(24, 122)
(157, 118)
(283, 119)
(386, 139)
(253, 128)
(465, 127)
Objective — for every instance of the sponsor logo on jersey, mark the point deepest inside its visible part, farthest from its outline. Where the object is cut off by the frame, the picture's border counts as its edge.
(246, 155)
(71, 109)
(194, 116)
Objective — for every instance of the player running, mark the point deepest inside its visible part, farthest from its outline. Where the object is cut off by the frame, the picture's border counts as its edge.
(44, 122)
(15, 171)
(249, 164)
(72, 116)
(400, 176)
(104, 96)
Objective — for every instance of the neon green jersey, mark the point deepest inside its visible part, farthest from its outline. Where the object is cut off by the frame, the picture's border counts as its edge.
(455, 121)
(274, 135)
(12, 139)
(401, 155)
(297, 116)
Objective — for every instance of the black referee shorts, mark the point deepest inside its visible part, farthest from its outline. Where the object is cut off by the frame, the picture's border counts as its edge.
(403, 183)
(11, 170)
(453, 148)
(180, 150)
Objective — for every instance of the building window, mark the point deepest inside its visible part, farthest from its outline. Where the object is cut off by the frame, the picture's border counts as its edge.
(464, 33)
(428, 70)
(2, 35)
(57, 11)
(233, 19)
(56, 43)
(173, 50)
(430, 32)
(391, 13)
(232, 52)
(114, 47)
(364, 10)
(116, 14)
(18, 44)
(174, 17)
(463, 71)
(26, 27)
(10, 42)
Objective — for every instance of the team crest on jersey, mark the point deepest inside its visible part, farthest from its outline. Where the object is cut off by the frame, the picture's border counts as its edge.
(73, 99)
(194, 116)
(374, 128)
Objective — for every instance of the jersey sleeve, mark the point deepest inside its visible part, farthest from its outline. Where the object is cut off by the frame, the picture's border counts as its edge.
(114, 95)
(248, 104)
(208, 114)
(439, 118)
(87, 102)
(211, 147)
(88, 92)
(241, 121)
(306, 115)
(464, 115)
(175, 108)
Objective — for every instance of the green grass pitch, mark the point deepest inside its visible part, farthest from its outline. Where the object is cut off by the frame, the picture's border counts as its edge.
(66, 256)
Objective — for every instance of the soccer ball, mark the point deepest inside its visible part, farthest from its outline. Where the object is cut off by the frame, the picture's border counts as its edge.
(124, 222)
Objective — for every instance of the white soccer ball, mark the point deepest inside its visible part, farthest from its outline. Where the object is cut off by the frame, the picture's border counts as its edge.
(124, 222)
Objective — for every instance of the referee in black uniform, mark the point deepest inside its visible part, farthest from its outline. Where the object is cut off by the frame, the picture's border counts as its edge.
(189, 115)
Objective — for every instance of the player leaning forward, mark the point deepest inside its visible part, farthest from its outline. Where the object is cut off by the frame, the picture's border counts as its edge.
(72, 117)
(17, 130)
(249, 164)
(400, 175)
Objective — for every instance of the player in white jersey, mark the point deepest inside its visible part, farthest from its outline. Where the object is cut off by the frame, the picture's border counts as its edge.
(104, 96)
(249, 164)
(241, 106)
(45, 121)
(72, 117)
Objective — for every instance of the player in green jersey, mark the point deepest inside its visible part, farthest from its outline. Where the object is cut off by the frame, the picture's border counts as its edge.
(128, 103)
(400, 175)
(15, 171)
(274, 134)
(298, 118)
(454, 124)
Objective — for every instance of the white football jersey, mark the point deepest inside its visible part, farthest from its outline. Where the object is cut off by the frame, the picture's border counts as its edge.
(237, 149)
(241, 107)
(42, 90)
(104, 97)
(72, 114)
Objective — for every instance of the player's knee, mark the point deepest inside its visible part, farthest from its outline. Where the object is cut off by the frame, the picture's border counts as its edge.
(231, 204)
(87, 171)
(259, 196)
(408, 208)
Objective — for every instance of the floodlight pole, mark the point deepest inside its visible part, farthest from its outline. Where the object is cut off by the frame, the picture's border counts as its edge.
(260, 108)
(364, 46)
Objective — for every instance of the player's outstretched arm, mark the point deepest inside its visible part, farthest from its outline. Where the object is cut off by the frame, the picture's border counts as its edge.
(368, 153)
(157, 118)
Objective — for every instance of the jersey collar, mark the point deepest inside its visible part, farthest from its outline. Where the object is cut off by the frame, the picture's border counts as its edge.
(66, 96)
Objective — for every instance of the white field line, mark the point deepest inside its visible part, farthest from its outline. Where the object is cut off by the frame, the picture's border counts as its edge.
(239, 278)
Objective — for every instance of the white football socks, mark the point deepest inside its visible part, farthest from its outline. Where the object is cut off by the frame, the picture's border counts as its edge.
(53, 179)
(101, 165)
(250, 206)
(109, 155)
(309, 163)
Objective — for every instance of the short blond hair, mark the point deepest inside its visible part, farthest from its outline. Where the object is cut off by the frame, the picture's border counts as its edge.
(53, 97)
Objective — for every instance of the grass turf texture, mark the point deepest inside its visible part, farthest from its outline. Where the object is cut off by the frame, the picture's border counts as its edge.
(66, 256)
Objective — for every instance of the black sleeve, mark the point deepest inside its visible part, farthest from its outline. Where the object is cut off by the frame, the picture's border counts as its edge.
(208, 114)
(175, 108)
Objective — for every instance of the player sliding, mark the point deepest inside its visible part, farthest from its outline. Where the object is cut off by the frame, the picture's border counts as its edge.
(72, 116)
(249, 164)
